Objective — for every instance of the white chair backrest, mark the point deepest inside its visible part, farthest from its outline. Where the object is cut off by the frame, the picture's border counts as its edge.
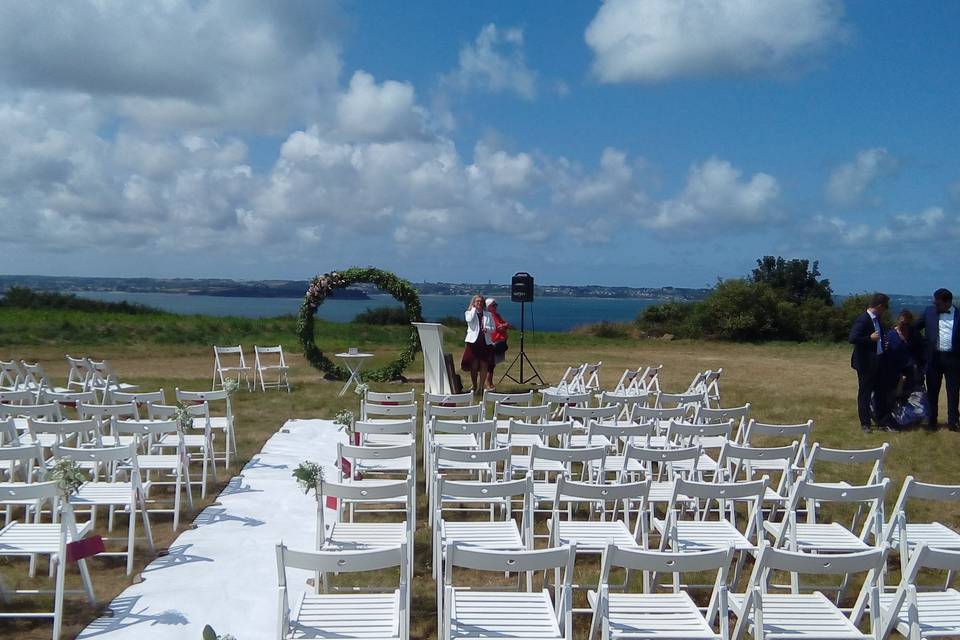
(691, 433)
(560, 399)
(47, 411)
(674, 400)
(448, 399)
(67, 398)
(83, 430)
(581, 416)
(21, 396)
(102, 411)
(484, 431)
(139, 398)
(546, 430)
(714, 415)
(391, 397)
(145, 428)
(469, 413)
(525, 413)
(659, 463)
(491, 398)
(394, 427)
(872, 458)
(388, 411)
(27, 456)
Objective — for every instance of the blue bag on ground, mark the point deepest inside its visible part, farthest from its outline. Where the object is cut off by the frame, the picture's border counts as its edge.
(912, 410)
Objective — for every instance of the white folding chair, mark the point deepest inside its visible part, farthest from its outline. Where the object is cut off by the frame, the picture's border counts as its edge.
(104, 379)
(147, 435)
(851, 460)
(609, 508)
(111, 492)
(659, 465)
(626, 401)
(769, 616)
(826, 534)
(768, 435)
(195, 444)
(228, 362)
(273, 365)
(224, 421)
(661, 418)
(716, 415)
(11, 376)
(549, 464)
(905, 536)
(35, 378)
(686, 400)
(20, 463)
(917, 614)
(67, 399)
(619, 613)
(18, 540)
(744, 464)
(104, 415)
(474, 612)
(80, 373)
(481, 498)
(361, 613)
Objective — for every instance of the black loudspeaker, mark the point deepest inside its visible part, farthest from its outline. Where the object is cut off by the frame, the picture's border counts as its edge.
(521, 289)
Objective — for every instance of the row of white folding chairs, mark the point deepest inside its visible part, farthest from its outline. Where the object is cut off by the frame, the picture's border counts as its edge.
(109, 425)
(270, 369)
(127, 405)
(619, 611)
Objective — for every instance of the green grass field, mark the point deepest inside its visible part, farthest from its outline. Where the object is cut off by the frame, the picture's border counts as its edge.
(783, 382)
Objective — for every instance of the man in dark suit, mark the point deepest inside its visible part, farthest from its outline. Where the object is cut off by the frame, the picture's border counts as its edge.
(940, 324)
(866, 336)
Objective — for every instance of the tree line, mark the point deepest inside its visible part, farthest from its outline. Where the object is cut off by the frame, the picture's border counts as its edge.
(780, 300)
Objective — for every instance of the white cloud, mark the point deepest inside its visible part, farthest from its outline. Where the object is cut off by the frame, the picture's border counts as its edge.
(388, 111)
(933, 225)
(178, 63)
(655, 40)
(849, 182)
(715, 194)
(495, 62)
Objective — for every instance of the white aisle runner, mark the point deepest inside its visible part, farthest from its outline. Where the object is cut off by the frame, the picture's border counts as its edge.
(224, 572)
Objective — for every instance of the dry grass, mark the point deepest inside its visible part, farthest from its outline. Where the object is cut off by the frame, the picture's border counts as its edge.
(785, 383)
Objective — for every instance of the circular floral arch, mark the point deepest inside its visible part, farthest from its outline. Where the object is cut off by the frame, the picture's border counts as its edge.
(322, 286)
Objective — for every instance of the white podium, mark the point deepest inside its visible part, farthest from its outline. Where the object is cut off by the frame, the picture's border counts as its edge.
(434, 371)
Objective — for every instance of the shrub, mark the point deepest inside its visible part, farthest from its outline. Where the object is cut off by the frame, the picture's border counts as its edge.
(605, 329)
(739, 310)
(26, 298)
(382, 316)
(669, 317)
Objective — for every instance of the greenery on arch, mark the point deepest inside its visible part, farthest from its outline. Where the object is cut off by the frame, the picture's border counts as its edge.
(322, 286)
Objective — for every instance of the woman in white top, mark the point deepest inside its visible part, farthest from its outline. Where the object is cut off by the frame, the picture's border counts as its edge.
(478, 347)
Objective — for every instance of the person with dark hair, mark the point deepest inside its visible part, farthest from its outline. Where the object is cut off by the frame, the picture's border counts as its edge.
(867, 338)
(899, 374)
(940, 324)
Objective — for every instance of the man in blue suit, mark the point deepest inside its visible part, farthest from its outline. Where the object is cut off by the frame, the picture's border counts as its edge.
(940, 325)
(866, 336)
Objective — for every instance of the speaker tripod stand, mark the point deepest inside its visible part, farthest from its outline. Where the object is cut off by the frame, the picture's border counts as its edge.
(521, 357)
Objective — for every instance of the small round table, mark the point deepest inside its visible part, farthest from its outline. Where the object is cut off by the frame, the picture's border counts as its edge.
(353, 362)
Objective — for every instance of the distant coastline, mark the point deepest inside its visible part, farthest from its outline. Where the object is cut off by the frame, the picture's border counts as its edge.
(295, 288)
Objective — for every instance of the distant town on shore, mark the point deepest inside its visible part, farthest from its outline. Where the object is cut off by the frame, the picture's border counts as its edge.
(296, 288)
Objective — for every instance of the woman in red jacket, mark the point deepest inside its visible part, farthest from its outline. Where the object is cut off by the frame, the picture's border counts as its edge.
(499, 337)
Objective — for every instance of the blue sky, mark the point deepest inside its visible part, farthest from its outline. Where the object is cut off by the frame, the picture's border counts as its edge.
(631, 142)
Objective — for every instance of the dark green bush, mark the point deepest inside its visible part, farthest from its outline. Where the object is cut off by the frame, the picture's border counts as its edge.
(382, 316)
(605, 329)
(26, 298)
(669, 317)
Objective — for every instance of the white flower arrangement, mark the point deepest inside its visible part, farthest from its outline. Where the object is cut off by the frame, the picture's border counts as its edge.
(68, 475)
(309, 476)
(344, 419)
(361, 389)
(230, 386)
(183, 417)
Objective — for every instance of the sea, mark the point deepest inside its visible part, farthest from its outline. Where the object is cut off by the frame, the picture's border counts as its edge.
(543, 314)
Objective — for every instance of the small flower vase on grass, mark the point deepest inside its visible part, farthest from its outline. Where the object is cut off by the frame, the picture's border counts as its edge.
(309, 475)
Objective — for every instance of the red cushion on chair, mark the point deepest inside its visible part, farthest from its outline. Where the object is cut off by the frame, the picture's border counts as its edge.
(85, 548)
